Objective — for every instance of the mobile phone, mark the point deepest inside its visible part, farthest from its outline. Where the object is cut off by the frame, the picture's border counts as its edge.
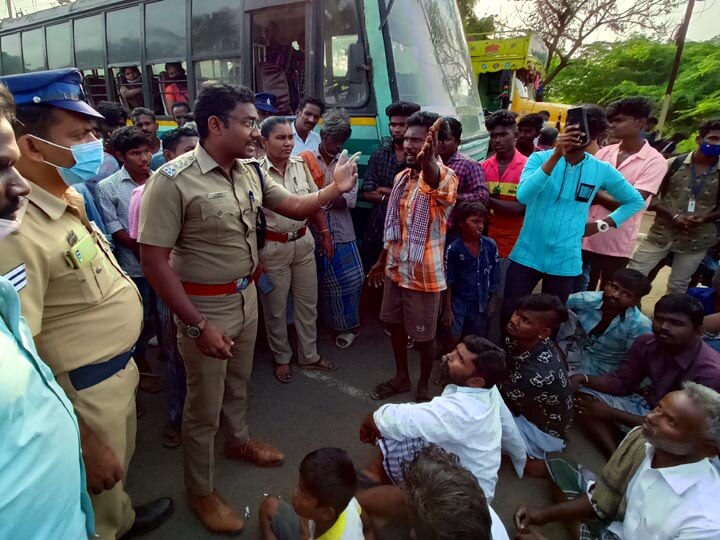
(577, 116)
(82, 253)
(265, 284)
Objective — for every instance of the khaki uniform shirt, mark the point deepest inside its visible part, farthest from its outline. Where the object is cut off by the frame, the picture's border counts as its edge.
(207, 217)
(79, 313)
(677, 198)
(297, 180)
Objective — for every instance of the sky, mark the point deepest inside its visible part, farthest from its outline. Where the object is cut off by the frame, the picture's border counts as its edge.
(703, 25)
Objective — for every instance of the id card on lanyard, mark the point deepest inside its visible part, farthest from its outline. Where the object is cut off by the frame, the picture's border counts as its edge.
(696, 186)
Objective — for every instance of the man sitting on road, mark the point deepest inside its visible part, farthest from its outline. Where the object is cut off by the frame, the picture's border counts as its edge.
(604, 325)
(665, 488)
(538, 391)
(468, 419)
(672, 354)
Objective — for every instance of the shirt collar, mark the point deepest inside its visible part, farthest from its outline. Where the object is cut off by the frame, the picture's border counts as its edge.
(680, 477)
(204, 160)
(265, 162)
(683, 359)
(455, 389)
(125, 175)
(53, 206)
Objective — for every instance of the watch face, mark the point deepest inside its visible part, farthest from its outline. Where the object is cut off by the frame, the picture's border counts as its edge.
(192, 332)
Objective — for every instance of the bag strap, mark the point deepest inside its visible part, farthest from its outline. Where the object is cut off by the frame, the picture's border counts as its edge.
(674, 167)
(315, 171)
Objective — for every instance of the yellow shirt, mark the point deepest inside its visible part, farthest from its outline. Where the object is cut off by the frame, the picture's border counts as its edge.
(79, 313)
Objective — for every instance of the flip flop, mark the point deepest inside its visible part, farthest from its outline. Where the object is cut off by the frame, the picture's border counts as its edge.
(345, 340)
(387, 390)
(320, 365)
(285, 379)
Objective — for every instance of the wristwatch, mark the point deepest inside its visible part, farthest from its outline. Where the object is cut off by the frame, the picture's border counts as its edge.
(193, 331)
(602, 226)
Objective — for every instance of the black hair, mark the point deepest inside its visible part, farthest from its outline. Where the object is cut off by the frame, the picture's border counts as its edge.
(544, 112)
(711, 125)
(137, 112)
(172, 138)
(546, 303)
(470, 208)
(271, 123)
(533, 121)
(7, 104)
(178, 64)
(34, 119)
(219, 99)
(501, 118)
(652, 120)
(683, 304)
(114, 113)
(309, 100)
(128, 138)
(633, 280)
(635, 107)
(328, 474)
(401, 108)
(455, 127)
(444, 499)
(490, 361)
(597, 120)
(677, 137)
(426, 119)
(548, 136)
(180, 104)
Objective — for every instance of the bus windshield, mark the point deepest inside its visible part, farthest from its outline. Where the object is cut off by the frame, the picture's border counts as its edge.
(432, 63)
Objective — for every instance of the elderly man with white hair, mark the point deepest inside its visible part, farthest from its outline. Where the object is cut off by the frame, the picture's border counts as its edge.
(661, 482)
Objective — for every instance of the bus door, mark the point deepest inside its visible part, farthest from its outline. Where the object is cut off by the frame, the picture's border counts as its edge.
(278, 45)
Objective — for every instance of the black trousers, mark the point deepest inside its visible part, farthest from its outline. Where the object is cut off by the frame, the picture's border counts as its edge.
(602, 268)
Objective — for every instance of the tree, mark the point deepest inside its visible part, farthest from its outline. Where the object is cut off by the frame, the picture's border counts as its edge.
(566, 25)
(471, 22)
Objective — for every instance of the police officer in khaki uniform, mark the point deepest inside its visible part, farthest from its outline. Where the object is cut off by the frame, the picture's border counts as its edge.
(288, 259)
(198, 248)
(83, 310)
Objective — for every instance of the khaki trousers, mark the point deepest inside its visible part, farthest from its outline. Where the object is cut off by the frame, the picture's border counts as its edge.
(291, 268)
(216, 389)
(684, 265)
(108, 409)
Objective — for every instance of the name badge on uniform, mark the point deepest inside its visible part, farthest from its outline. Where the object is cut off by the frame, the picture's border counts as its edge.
(217, 195)
(691, 205)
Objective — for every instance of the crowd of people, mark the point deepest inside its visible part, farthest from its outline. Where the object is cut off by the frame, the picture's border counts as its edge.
(130, 236)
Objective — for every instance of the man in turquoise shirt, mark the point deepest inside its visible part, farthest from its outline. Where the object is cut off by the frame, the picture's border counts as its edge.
(558, 187)
(43, 490)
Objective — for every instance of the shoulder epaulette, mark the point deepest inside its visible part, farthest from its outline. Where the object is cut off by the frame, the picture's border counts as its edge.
(176, 166)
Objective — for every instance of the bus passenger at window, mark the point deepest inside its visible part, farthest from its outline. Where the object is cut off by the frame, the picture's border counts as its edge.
(176, 89)
(145, 120)
(131, 87)
(181, 113)
(308, 113)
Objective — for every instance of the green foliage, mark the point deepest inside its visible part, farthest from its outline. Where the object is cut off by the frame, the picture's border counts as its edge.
(604, 72)
(471, 22)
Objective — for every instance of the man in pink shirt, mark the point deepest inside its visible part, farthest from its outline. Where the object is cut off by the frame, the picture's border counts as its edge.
(643, 167)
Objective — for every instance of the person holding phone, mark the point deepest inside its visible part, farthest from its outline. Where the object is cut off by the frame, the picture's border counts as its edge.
(558, 187)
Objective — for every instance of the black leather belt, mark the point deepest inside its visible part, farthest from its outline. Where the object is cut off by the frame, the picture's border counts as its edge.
(87, 376)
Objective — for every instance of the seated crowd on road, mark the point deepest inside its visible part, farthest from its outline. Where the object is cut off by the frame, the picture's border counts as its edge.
(518, 280)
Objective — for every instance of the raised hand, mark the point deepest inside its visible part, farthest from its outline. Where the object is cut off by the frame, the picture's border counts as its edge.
(345, 175)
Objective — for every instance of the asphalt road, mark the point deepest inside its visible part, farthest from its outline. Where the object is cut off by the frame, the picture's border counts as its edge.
(314, 411)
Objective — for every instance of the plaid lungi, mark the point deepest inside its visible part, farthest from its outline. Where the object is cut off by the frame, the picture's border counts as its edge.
(340, 281)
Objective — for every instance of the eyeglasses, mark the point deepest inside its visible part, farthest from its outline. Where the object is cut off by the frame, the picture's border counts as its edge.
(245, 122)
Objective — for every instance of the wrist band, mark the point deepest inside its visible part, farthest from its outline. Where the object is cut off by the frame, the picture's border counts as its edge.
(321, 205)
(675, 217)
(382, 200)
(324, 230)
(587, 380)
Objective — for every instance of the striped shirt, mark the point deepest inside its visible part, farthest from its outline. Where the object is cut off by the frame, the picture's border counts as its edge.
(429, 275)
(557, 210)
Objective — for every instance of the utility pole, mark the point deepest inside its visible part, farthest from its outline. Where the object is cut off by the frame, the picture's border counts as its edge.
(680, 41)
(11, 15)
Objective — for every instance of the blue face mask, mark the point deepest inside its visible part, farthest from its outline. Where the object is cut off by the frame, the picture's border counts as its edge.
(88, 160)
(710, 150)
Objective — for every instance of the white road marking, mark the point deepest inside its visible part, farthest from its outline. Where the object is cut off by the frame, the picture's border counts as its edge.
(344, 387)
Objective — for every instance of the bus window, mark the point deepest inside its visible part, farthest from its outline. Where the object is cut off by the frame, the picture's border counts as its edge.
(172, 85)
(95, 84)
(128, 87)
(59, 54)
(11, 54)
(123, 36)
(165, 30)
(225, 70)
(33, 46)
(345, 81)
(216, 27)
(278, 43)
(89, 33)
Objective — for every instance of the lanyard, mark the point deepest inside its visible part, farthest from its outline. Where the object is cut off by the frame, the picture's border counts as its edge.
(696, 186)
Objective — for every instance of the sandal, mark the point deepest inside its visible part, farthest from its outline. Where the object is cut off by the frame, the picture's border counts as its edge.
(151, 384)
(320, 365)
(283, 375)
(386, 390)
(170, 437)
(345, 340)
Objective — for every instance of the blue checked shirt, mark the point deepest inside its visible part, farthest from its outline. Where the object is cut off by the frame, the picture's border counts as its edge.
(473, 279)
(604, 354)
(113, 195)
(557, 210)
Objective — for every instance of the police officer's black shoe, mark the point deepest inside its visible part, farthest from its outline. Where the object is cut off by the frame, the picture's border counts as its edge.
(150, 516)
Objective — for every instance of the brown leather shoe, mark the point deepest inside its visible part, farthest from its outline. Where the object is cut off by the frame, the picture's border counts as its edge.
(256, 452)
(215, 514)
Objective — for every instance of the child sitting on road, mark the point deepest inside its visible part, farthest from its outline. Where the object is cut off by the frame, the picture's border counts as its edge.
(472, 270)
(323, 504)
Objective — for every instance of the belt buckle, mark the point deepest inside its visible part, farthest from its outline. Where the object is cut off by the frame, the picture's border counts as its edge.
(292, 236)
(241, 284)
